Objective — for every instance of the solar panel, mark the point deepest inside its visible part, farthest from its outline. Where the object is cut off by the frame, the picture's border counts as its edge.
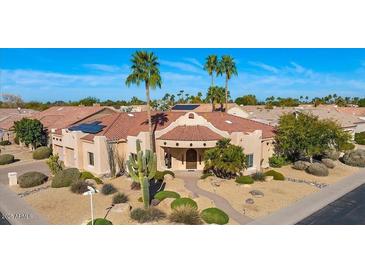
(92, 128)
(185, 107)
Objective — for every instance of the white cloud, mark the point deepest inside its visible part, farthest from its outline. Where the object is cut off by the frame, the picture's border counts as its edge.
(195, 62)
(265, 67)
(104, 68)
(182, 66)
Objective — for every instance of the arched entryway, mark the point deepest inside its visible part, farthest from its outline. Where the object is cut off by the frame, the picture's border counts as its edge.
(191, 159)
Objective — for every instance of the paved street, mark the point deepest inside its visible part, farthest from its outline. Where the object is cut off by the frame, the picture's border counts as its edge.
(3, 221)
(347, 210)
(20, 168)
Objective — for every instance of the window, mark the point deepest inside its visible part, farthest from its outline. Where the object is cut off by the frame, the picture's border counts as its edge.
(249, 160)
(91, 158)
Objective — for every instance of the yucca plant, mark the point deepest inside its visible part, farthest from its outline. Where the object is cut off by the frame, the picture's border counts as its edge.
(143, 169)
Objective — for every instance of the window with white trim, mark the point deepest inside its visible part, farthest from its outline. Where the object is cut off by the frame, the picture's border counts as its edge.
(249, 160)
(91, 158)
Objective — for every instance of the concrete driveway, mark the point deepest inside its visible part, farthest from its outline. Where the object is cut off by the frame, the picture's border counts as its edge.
(21, 168)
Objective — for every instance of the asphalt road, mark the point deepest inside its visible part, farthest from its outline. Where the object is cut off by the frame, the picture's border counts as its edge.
(20, 168)
(3, 221)
(347, 210)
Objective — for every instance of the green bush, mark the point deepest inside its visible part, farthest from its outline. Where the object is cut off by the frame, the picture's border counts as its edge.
(120, 198)
(31, 179)
(159, 176)
(65, 178)
(360, 138)
(259, 176)
(151, 214)
(318, 169)
(79, 187)
(185, 215)
(108, 189)
(16, 140)
(42, 153)
(5, 143)
(331, 154)
(162, 195)
(277, 175)
(101, 221)
(6, 159)
(214, 215)
(277, 161)
(168, 172)
(54, 164)
(183, 202)
(244, 180)
(88, 175)
(206, 175)
(347, 147)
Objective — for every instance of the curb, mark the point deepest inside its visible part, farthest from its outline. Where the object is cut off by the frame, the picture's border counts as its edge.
(312, 203)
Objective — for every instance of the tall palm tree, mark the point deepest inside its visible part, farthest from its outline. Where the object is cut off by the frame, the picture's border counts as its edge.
(211, 66)
(227, 66)
(215, 95)
(145, 69)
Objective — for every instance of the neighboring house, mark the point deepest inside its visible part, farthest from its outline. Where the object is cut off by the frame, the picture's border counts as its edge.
(133, 108)
(181, 138)
(199, 107)
(7, 118)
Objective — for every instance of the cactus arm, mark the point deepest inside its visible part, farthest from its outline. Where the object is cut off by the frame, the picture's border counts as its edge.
(153, 167)
(133, 162)
(132, 173)
(145, 192)
(138, 145)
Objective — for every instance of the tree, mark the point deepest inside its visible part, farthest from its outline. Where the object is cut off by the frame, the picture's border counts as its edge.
(246, 100)
(30, 132)
(304, 136)
(227, 66)
(215, 95)
(145, 69)
(361, 102)
(211, 66)
(11, 100)
(225, 160)
(89, 101)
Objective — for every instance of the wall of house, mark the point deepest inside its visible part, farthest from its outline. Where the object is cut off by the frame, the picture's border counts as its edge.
(267, 152)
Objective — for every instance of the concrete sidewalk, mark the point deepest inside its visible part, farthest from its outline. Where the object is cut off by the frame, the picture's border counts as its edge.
(311, 204)
(17, 211)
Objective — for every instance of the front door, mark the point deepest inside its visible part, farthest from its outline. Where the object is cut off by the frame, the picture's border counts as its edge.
(191, 159)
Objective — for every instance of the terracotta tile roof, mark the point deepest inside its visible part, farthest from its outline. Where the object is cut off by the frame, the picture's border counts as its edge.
(9, 115)
(58, 117)
(191, 133)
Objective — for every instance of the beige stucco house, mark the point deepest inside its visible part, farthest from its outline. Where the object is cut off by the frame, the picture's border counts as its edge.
(180, 140)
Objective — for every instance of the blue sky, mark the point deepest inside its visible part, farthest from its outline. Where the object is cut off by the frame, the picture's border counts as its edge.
(71, 74)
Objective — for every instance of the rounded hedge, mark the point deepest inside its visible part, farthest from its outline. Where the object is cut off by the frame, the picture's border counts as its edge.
(162, 195)
(360, 138)
(101, 221)
(318, 169)
(42, 153)
(79, 187)
(66, 177)
(244, 180)
(183, 202)
(214, 215)
(88, 175)
(108, 189)
(31, 179)
(277, 175)
(6, 159)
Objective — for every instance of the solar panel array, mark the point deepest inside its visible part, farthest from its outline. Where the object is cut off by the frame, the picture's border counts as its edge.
(185, 107)
(92, 128)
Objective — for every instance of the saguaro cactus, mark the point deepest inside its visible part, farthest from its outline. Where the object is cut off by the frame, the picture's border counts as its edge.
(142, 170)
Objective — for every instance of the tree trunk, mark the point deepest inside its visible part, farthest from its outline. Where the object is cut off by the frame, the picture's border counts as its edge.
(212, 80)
(226, 107)
(152, 147)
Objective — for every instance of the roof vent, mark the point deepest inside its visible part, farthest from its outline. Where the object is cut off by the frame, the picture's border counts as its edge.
(228, 122)
(130, 115)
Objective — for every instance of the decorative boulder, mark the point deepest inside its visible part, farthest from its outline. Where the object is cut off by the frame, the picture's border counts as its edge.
(318, 169)
(155, 202)
(257, 193)
(328, 163)
(332, 154)
(301, 165)
(249, 201)
(354, 158)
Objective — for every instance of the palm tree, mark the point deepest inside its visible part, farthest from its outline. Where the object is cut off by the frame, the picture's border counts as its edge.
(145, 69)
(211, 66)
(215, 95)
(227, 66)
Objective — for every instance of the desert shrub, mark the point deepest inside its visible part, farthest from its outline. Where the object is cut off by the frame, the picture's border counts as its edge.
(206, 175)
(354, 158)
(331, 154)
(88, 175)
(54, 164)
(214, 215)
(277, 161)
(120, 198)
(317, 169)
(108, 189)
(347, 147)
(162, 195)
(159, 176)
(5, 143)
(183, 202)
(31, 179)
(301, 165)
(165, 172)
(79, 187)
(16, 140)
(360, 138)
(6, 159)
(140, 199)
(42, 153)
(277, 175)
(101, 221)
(147, 215)
(244, 180)
(65, 178)
(185, 215)
(135, 186)
(259, 176)
(328, 163)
